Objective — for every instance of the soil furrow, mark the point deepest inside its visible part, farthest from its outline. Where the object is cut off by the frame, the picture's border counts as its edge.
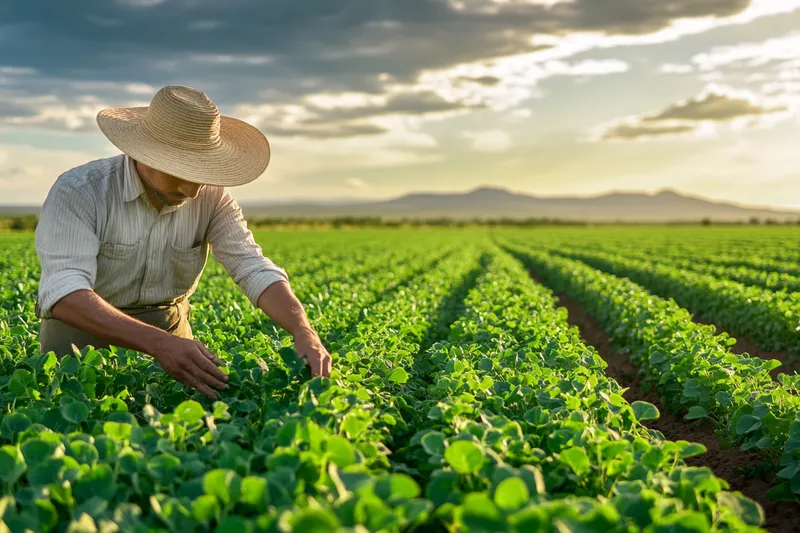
(730, 464)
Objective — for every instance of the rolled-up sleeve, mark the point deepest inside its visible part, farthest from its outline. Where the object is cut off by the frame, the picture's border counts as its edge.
(233, 245)
(67, 245)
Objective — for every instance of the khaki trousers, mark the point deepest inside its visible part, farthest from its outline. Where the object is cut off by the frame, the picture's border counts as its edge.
(59, 337)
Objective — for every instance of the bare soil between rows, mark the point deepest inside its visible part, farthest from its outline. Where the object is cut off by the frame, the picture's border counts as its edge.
(781, 517)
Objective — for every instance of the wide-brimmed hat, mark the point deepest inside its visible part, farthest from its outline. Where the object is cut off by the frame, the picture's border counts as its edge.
(183, 134)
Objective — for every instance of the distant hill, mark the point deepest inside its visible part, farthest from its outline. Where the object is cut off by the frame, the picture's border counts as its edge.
(495, 203)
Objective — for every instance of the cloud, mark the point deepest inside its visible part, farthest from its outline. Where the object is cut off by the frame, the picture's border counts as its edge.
(489, 140)
(632, 131)
(352, 45)
(695, 116)
(718, 104)
(750, 55)
(346, 115)
(356, 183)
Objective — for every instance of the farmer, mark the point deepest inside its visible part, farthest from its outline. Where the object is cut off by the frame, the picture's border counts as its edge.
(124, 240)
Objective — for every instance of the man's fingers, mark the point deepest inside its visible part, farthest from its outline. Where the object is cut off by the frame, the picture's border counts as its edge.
(192, 381)
(326, 366)
(214, 358)
(205, 364)
(205, 371)
(211, 356)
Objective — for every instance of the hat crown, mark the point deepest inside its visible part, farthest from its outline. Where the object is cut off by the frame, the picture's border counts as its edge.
(184, 117)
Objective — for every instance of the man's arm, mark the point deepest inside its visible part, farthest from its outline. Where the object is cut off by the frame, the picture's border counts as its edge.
(187, 361)
(265, 284)
(67, 245)
(282, 306)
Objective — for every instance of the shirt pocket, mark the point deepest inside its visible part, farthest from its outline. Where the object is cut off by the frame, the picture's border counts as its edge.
(187, 266)
(116, 251)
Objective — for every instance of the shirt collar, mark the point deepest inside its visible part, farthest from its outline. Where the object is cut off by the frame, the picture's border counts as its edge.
(132, 186)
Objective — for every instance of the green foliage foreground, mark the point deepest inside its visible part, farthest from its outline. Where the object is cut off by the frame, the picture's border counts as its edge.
(461, 400)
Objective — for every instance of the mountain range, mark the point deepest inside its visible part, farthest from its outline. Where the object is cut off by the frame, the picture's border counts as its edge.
(496, 203)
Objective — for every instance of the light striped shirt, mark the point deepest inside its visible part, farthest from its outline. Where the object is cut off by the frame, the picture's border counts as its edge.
(99, 231)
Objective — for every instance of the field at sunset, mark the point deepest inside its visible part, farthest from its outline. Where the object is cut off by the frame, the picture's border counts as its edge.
(400, 266)
(506, 380)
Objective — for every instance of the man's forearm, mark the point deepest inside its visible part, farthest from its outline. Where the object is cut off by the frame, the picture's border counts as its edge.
(282, 306)
(86, 310)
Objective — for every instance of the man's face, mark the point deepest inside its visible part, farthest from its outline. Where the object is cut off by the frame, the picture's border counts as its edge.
(168, 189)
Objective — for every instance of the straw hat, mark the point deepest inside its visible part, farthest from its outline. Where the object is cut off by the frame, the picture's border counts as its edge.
(183, 134)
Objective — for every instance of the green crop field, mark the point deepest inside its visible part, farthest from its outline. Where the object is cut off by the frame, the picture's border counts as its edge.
(529, 380)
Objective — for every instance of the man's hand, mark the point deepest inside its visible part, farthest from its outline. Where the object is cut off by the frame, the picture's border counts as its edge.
(308, 345)
(282, 306)
(187, 361)
(191, 363)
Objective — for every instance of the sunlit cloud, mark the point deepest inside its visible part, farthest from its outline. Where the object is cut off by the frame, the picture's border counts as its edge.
(750, 55)
(698, 117)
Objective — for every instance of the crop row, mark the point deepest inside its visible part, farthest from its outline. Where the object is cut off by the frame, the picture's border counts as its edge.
(690, 367)
(769, 319)
(520, 430)
(700, 262)
(509, 424)
(196, 464)
(764, 251)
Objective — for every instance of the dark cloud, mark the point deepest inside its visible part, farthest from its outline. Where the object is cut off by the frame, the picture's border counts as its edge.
(323, 131)
(351, 121)
(296, 47)
(486, 81)
(714, 106)
(420, 103)
(628, 132)
(717, 104)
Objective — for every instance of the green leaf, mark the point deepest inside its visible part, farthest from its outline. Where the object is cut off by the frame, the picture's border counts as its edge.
(164, 468)
(433, 443)
(13, 424)
(340, 450)
(395, 487)
(745, 508)
(511, 494)
(189, 412)
(696, 412)
(479, 513)
(724, 398)
(315, 521)
(747, 424)
(234, 524)
(84, 524)
(576, 459)
(254, 492)
(225, 484)
(12, 464)
(117, 430)
(464, 456)
(398, 375)
(36, 451)
(75, 412)
(691, 449)
(205, 508)
(97, 482)
(645, 411)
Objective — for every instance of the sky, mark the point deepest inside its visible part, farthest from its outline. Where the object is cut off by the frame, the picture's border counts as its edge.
(379, 98)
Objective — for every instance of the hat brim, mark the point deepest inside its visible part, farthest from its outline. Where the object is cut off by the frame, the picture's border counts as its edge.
(241, 156)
